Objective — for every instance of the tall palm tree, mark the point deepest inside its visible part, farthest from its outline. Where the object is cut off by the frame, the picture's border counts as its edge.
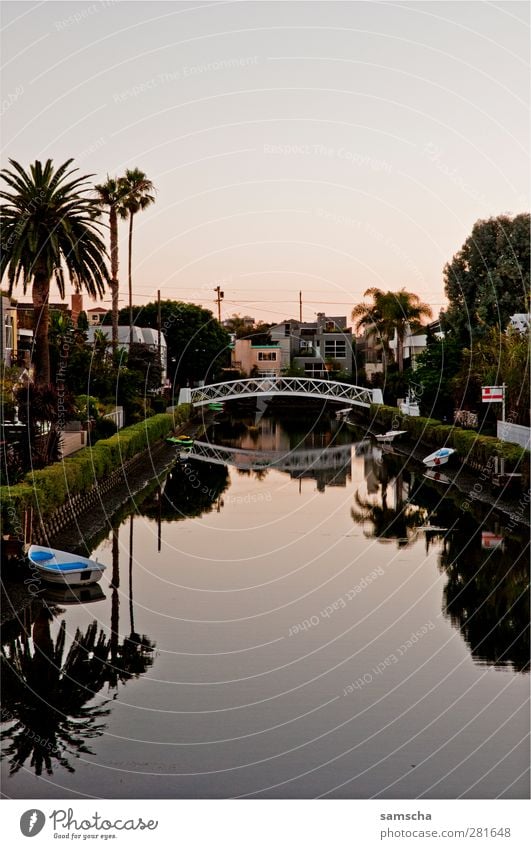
(49, 219)
(390, 313)
(111, 195)
(139, 195)
(375, 318)
(405, 309)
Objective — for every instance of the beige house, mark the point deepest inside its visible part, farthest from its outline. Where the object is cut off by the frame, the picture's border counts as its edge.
(256, 360)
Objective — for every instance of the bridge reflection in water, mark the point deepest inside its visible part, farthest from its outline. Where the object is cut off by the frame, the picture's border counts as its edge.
(336, 457)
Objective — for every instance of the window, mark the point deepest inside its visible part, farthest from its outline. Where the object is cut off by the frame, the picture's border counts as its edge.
(336, 348)
(314, 370)
(9, 332)
(287, 329)
(267, 356)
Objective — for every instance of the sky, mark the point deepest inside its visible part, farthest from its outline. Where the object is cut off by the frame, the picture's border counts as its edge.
(319, 147)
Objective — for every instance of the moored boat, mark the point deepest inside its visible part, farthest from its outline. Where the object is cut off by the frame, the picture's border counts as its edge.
(61, 567)
(438, 458)
(180, 441)
(390, 436)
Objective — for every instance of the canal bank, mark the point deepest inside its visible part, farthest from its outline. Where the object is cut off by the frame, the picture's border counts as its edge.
(47, 500)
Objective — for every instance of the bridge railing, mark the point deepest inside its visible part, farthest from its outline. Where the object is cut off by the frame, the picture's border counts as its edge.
(298, 386)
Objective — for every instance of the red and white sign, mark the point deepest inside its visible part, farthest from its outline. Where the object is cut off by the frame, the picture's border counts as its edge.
(492, 393)
(490, 540)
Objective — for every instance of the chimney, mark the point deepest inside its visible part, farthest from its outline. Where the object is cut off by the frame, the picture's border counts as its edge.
(77, 306)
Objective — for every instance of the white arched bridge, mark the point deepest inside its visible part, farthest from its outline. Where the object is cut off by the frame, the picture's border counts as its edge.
(298, 387)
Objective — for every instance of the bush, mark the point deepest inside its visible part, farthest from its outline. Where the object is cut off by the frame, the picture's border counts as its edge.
(50, 488)
(103, 429)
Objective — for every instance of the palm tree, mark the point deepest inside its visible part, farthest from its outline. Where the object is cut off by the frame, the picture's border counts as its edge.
(49, 219)
(375, 318)
(405, 309)
(112, 194)
(390, 313)
(138, 196)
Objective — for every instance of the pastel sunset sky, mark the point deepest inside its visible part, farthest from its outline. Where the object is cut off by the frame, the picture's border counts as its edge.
(316, 146)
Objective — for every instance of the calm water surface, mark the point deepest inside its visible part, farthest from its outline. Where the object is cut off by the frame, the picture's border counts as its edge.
(280, 626)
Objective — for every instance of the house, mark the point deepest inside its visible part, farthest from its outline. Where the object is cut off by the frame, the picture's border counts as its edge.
(8, 331)
(142, 335)
(520, 321)
(316, 347)
(415, 341)
(254, 360)
(96, 315)
(371, 350)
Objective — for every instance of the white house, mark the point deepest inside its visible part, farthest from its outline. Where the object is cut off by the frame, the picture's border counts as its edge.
(142, 335)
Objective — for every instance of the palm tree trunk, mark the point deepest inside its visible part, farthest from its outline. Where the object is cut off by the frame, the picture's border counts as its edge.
(131, 608)
(400, 350)
(115, 600)
(40, 296)
(113, 222)
(130, 250)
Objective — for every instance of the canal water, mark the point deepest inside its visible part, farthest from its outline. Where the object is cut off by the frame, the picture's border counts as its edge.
(290, 613)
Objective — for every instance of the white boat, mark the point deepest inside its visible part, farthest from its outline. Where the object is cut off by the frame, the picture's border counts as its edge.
(60, 567)
(390, 436)
(438, 458)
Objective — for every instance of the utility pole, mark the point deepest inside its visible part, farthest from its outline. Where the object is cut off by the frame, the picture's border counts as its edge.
(159, 327)
(220, 296)
(300, 307)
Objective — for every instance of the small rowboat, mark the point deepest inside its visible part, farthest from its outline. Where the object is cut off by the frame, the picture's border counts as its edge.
(181, 441)
(60, 567)
(438, 458)
(390, 436)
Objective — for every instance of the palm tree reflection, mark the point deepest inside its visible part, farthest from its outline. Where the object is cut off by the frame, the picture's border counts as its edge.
(49, 692)
(398, 520)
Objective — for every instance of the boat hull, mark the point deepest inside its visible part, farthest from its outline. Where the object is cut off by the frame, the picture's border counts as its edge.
(63, 569)
(438, 458)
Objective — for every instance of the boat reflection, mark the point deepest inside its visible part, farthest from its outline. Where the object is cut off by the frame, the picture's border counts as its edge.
(65, 596)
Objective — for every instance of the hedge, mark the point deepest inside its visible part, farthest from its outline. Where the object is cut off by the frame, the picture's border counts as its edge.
(471, 446)
(48, 489)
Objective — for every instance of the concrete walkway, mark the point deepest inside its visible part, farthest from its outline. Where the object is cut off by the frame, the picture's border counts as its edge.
(72, 442)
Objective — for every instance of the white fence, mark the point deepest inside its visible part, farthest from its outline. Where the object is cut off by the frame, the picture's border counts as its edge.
(117, 416)
(514, 433)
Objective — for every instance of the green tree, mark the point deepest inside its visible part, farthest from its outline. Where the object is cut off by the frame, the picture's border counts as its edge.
(436, 368)
(197, 343)
(49, 219)
(497, 358)
(488, 278)
(139, 194)
(112, 195)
